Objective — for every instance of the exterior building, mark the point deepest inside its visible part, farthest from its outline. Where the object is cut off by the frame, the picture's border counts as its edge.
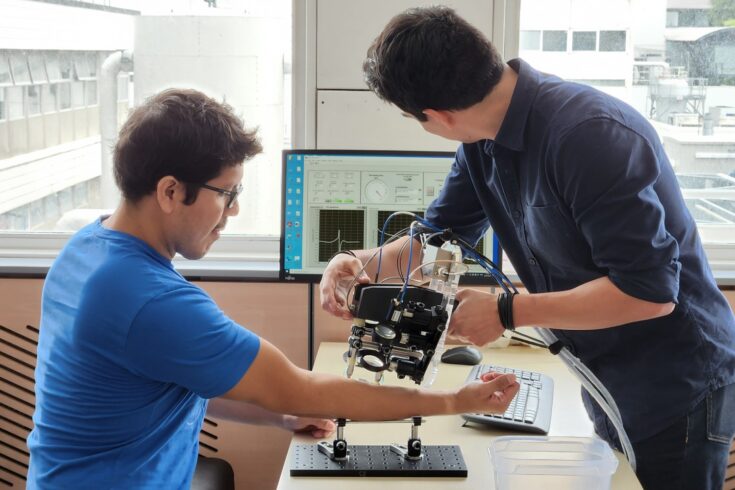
(50, 60)
(665, 59)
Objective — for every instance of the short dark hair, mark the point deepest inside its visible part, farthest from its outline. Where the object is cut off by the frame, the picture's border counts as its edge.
(431, 58)
(182, 133)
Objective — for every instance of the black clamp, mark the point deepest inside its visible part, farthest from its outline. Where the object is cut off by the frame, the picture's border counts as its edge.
(411, 451)
(337, 450)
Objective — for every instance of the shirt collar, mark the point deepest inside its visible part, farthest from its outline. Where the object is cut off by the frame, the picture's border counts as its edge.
(511, 133)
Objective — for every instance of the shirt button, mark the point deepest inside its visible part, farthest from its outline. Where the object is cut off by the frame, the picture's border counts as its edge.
(516, 214)
(532, 261)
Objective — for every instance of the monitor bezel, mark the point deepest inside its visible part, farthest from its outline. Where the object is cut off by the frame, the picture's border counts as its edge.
(475, 280)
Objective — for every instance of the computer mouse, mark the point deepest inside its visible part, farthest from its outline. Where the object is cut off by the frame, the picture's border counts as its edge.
(464, 354)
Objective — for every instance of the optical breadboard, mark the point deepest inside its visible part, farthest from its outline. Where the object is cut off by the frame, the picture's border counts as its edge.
(437, 461)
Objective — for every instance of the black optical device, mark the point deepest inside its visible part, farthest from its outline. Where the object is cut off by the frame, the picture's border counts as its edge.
(395, 329)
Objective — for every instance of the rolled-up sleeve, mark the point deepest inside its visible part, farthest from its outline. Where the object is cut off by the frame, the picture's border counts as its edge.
(611, 192)
(457, 205)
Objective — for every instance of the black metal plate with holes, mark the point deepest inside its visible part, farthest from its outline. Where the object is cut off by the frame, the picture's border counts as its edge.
(442, 461)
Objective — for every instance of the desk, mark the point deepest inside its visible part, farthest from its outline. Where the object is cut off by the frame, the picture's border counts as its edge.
(568, 419)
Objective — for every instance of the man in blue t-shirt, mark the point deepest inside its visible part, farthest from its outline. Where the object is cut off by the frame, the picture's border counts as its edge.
(578, 189)
(130, 352)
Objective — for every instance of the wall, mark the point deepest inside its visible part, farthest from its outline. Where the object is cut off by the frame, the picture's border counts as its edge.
(332, 105)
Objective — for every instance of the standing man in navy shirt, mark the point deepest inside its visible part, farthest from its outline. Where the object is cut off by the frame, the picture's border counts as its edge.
(580, 192)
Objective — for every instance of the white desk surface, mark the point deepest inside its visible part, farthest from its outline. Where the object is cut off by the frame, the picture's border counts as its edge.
(568, 419)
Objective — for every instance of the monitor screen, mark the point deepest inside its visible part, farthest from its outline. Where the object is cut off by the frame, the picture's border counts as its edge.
(336, 200)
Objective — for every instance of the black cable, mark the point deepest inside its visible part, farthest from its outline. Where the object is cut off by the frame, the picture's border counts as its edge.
(530, 342)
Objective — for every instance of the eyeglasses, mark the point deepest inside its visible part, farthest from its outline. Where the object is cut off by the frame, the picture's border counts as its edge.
(231, 195)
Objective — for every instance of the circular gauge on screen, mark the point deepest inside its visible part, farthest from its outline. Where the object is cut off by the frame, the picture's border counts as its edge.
(376, 191)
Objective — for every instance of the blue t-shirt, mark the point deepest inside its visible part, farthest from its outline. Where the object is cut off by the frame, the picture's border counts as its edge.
(128, 354)
(577, 186)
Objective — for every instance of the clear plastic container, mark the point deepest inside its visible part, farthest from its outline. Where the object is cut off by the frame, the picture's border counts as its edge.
(551, 463)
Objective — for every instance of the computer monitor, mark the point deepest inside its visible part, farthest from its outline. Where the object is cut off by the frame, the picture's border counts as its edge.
(336, 200)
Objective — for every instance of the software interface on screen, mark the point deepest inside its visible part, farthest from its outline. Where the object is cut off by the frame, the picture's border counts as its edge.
(336, 201)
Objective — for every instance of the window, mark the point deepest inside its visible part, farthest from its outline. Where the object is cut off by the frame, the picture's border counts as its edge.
(64, 95)
(123, 87)
(33, 99)
(56, 78)
(90, 93)
(5, 77)
(85, 66)
(19, 66)
(584, 41)
(531, 40)
(15, 102)
(555, 41)
(48, 98)
(66, 66)
(612, 40)
(38, 69)
(77, 94)
(53, 67)
(684, 84)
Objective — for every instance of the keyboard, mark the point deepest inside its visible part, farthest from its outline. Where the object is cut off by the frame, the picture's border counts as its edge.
(530, 409)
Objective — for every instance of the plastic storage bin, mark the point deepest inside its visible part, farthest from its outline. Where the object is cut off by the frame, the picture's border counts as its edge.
(551, 463)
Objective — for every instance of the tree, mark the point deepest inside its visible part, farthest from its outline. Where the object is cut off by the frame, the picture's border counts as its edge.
(722, 13)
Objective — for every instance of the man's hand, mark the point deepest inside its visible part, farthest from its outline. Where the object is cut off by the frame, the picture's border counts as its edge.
(318, 428)
(335, 280)
(492, 394)
(475, 317)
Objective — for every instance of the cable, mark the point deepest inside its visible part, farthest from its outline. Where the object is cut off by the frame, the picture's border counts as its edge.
(382, 236)
(596, 390)
(410, 258)
(548, 340)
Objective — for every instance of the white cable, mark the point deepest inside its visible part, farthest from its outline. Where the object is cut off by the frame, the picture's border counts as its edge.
(597, 390)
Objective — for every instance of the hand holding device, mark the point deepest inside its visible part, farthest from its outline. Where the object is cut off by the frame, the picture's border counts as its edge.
(339, 274)
(475, 318)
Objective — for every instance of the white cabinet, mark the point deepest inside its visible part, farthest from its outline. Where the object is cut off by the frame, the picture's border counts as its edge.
(346, 28)
(344, 114)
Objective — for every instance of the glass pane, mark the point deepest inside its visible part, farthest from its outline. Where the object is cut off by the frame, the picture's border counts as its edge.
(66, 66)
(64, 95)
(3, 110)
(5, 77)
(612, 40)
(123, 87)
(84, 66)
(555, 40)
(90, 93)
(77, 94)
(53, 67)
(92, 64)
(15, 102)
(584, 41)
(48, 98)
(38, 70)
(19, 66)
(531, 40)
(33, 99)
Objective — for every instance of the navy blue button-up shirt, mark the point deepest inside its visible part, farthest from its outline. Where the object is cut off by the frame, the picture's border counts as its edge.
(577, 186)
